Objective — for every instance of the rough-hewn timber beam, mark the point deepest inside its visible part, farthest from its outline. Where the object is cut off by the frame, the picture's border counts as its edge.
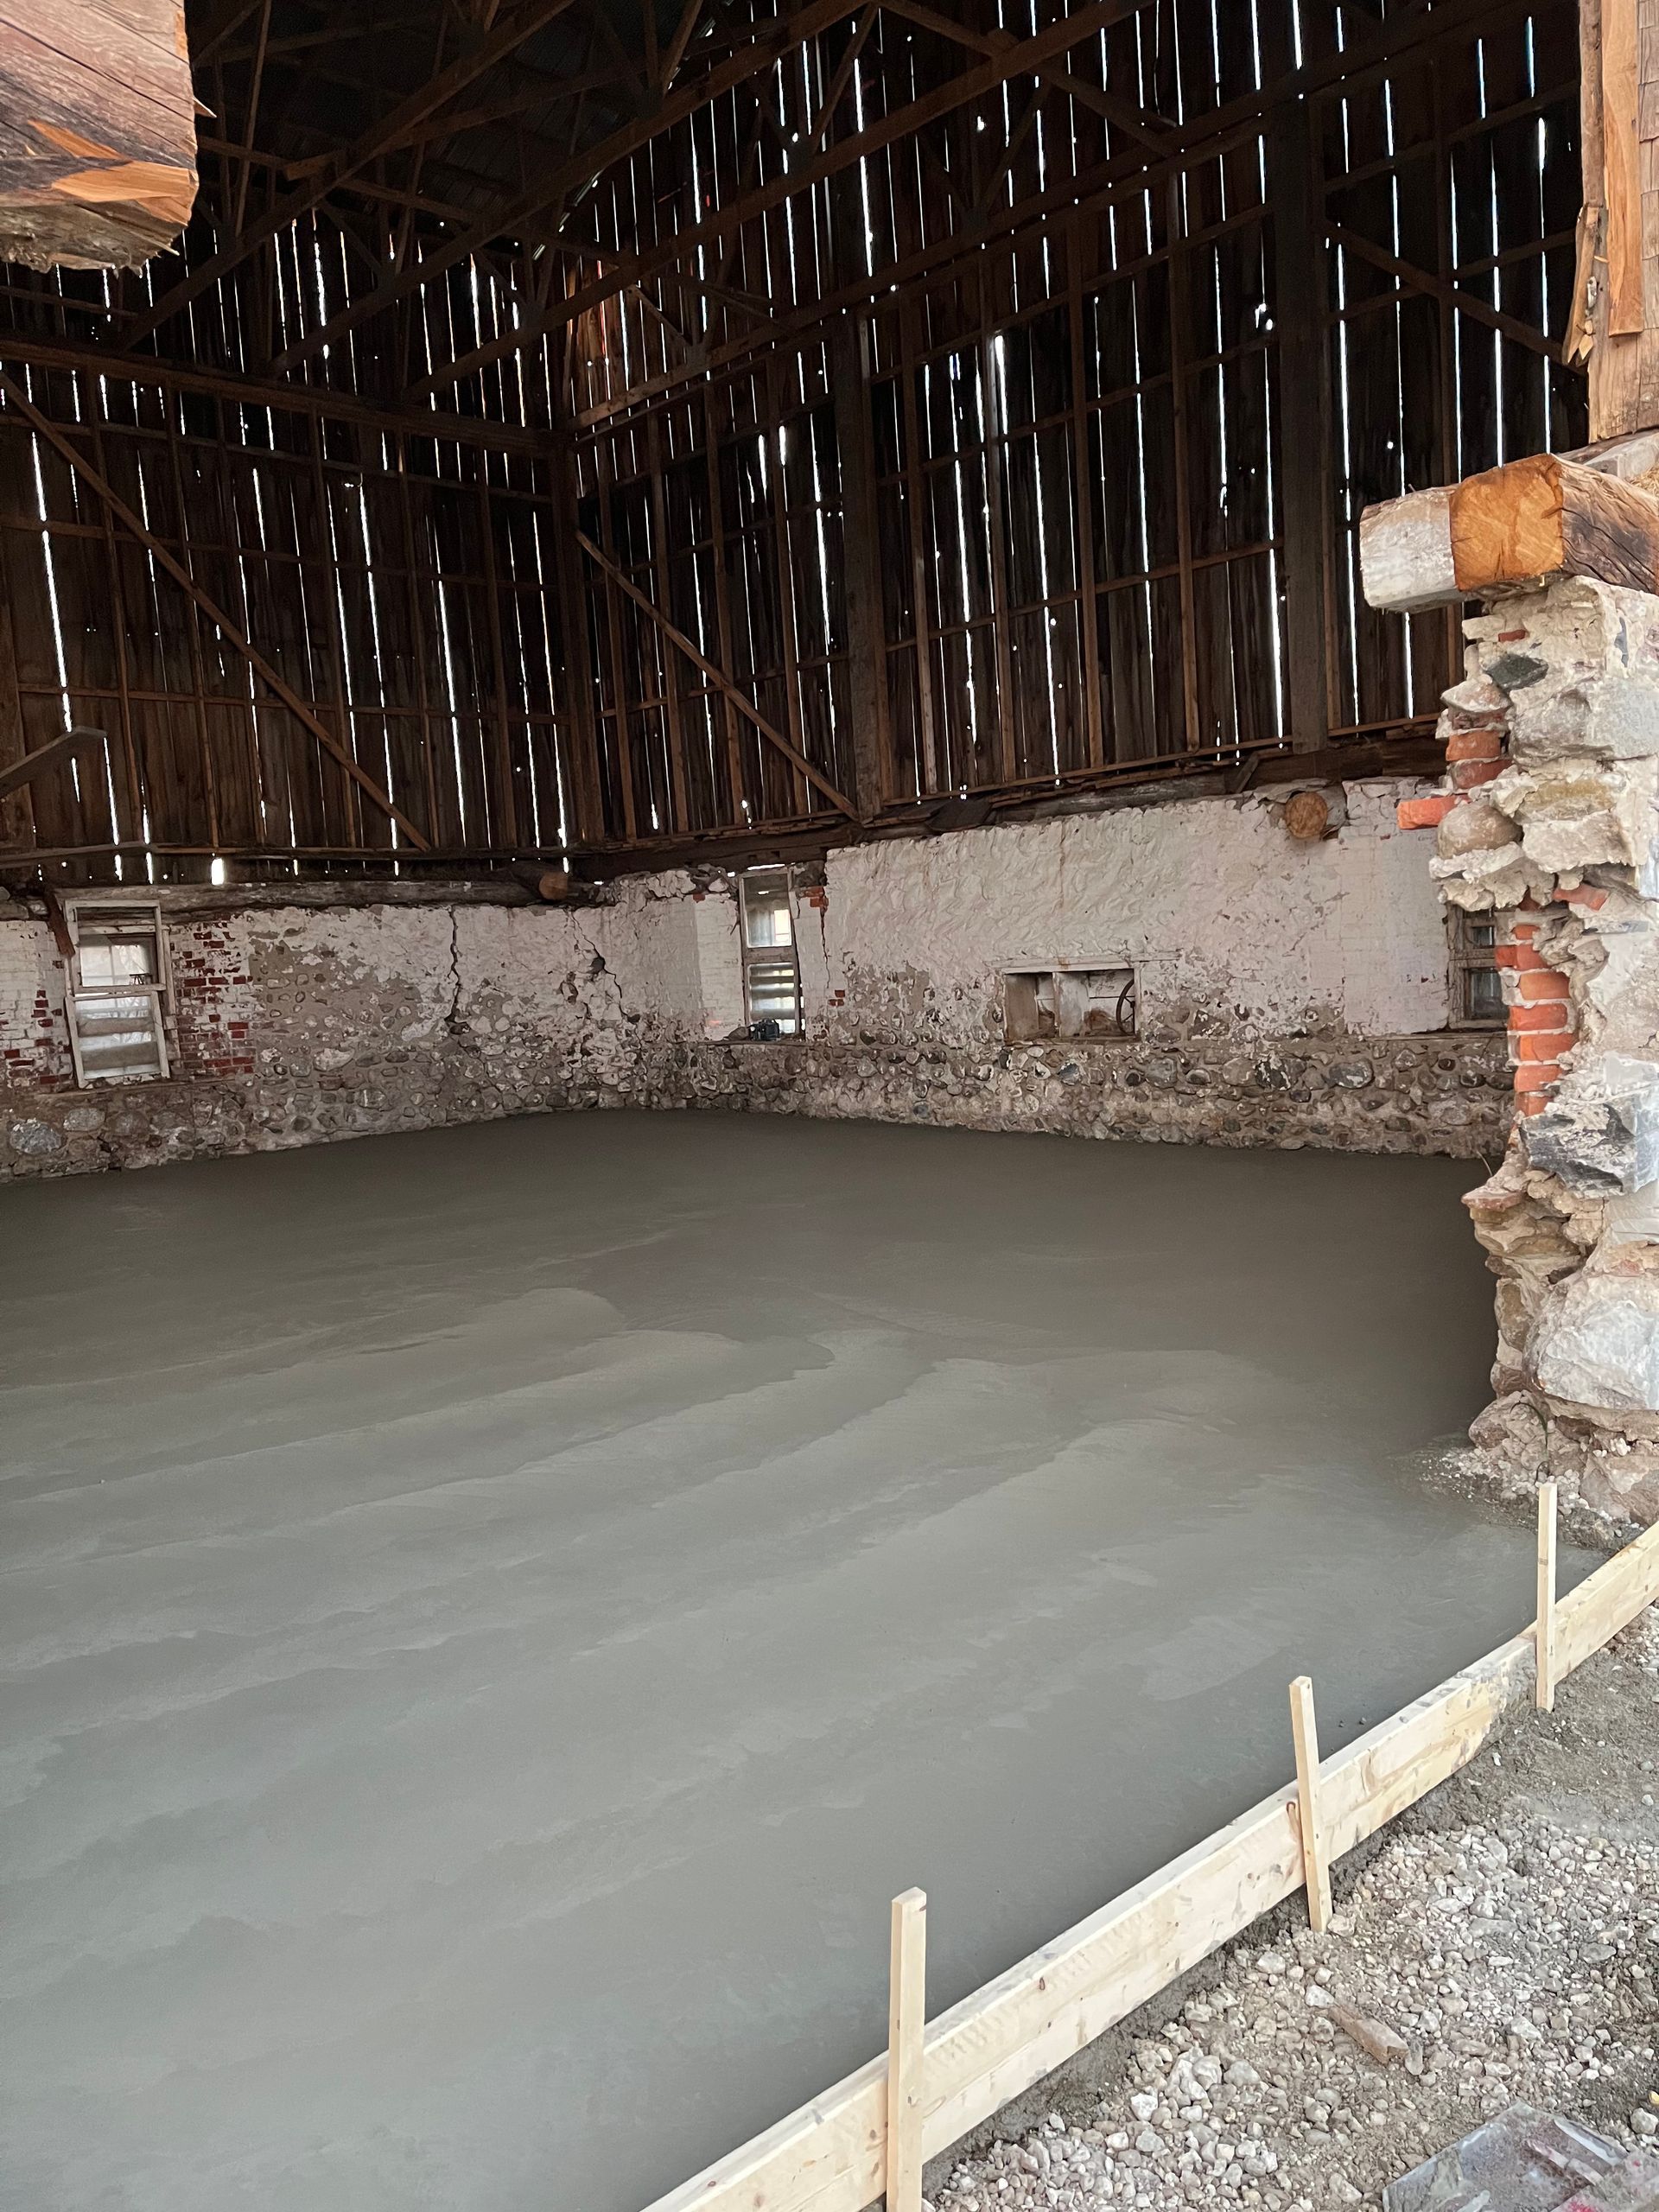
(389, 132)
(97, 167)
(166, 559)
(1531, 518)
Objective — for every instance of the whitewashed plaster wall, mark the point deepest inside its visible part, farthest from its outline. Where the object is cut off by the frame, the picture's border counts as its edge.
(1233, 925)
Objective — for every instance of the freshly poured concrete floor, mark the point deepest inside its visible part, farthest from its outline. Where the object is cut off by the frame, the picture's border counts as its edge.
(492, 1617)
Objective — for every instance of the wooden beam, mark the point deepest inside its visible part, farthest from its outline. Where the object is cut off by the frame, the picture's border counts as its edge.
(1452, 296)
(718, 677)
(1614, 323)
(512, 218)
(143, 369)
(1025, 56)
(51, 754)
(390, 131)
(99, 167)
(1531, 518)
(165, 558)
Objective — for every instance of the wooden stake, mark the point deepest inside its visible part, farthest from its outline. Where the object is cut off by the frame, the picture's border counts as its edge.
(1315, 1872)
(907, 2017)
(1545, 1631)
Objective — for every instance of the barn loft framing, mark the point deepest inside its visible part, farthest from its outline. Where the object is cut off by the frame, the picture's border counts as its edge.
(630, 436)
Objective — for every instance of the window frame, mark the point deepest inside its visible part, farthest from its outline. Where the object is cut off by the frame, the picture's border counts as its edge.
(88, 915)
(770, 955)
(1470, 959)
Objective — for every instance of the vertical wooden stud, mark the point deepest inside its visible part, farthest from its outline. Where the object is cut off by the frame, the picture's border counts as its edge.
(1315, 1872)
(1545, 1631)
(907, 2017)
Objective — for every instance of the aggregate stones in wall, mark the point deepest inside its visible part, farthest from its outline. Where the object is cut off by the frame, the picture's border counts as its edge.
(1288, 995)
(1552, 824)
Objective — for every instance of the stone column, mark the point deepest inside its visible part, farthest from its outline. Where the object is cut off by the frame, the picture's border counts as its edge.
(1550, 821)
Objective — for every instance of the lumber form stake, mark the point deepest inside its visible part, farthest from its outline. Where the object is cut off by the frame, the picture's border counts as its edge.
(1545, 1629)
(906, 2022)
(1316, 1872)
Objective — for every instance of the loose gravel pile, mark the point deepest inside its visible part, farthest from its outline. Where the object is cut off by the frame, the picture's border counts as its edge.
(1502, 1943)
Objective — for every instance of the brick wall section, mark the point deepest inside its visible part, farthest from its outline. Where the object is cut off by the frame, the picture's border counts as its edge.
(212, 1000)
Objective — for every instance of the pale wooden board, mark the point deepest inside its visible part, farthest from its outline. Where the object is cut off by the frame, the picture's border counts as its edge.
(1606, 1601)
(830, 2156)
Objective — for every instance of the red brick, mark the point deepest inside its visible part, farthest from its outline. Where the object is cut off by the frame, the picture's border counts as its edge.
(1586, 895)
(1539, 1079)
(1425, 813)
(1549, 1014)
(1475, 745)
(1549, 985)
(1530, 1102)
(1516, 955)
(1470, 775)
(1548, 1046)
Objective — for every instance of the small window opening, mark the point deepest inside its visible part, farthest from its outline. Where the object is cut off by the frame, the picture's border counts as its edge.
(1039, 1004)
(772, 963)
(1477, 988)
(116, 986)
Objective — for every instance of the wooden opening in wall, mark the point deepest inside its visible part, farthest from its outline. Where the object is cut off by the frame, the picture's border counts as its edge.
(1075, 1003)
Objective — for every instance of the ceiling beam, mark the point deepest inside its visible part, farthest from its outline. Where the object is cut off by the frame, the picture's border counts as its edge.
(515, 218)
(1021, 59)
(1128, 115)
(387, 132)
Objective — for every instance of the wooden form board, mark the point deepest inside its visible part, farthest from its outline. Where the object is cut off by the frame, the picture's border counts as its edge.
(99, 165)
(831, 2155)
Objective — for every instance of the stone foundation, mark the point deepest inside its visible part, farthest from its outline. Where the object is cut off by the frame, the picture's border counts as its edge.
(1289, 994)
(1557, 836)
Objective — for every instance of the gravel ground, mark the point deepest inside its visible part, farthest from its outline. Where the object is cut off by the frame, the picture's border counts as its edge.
(1507, 1932)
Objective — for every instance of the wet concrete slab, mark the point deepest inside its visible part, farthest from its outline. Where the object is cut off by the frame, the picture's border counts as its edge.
(490, 1618)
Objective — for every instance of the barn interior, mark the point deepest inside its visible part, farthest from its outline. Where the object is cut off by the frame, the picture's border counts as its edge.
(905, 708)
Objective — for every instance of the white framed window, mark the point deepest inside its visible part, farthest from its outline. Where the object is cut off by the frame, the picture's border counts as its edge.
(117, 989)
(771, 962)
(1070, 1003)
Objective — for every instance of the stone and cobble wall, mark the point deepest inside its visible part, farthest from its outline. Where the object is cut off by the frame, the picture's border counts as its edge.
(1550, 823)
(1289, 993)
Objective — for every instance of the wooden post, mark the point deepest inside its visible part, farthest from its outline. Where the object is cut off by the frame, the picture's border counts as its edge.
(1315, 1872)
(1299, 279)
(866, 645)
(907, 2017)
(1615, 322)
(1545, 1631)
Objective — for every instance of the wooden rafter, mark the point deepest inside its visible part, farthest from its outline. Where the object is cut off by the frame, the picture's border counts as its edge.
(957, 92)
(166, 559)
(390, 131)
(512, 219)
